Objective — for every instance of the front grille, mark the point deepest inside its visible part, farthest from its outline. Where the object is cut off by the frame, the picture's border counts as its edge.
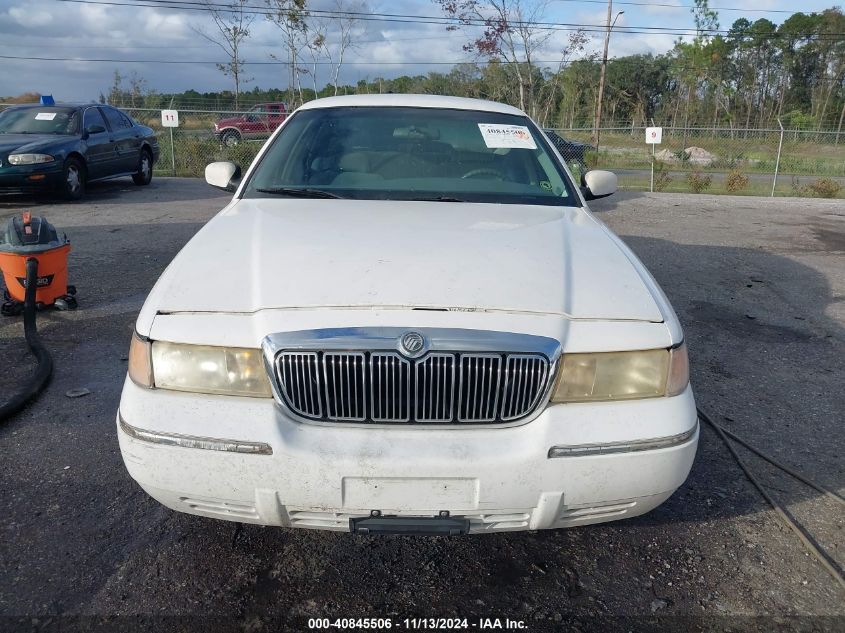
(386, 387)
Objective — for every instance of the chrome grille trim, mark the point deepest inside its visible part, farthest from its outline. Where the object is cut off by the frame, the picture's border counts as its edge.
(362, 376)
(524, 374)
(299, 382)
(390, 387)
(345, 388)
(435, 388)
(478, 390)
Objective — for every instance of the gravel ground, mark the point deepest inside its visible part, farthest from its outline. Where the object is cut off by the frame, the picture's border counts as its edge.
(759, 285)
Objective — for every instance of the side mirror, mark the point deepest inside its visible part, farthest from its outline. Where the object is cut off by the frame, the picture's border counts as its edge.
(223, 175)
(598, 184)
(94, 129)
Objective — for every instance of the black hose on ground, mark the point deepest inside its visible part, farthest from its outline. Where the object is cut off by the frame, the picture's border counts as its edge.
(805, 537)
(44, 370)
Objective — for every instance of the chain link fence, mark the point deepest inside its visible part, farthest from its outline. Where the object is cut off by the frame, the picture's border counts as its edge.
(187, 149)
(760, 162)
(731, 161)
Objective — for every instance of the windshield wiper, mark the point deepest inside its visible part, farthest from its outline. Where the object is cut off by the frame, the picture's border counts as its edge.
(439, 199)
(300, 192)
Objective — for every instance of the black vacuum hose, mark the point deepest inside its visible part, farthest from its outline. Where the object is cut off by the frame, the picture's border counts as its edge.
(42, 373)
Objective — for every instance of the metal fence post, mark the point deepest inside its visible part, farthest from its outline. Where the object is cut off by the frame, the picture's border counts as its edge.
(651, 187)
(777, 161)
(172, 153)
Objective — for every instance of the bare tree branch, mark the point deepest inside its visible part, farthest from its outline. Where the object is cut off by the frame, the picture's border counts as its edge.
(232, 23)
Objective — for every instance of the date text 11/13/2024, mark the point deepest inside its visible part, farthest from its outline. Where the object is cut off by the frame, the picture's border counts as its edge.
(435, 624)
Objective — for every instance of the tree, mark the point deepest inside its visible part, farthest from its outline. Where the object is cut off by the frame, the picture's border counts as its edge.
(290, 16)
(694, 54)
(115, 96)
(137, 89)
(232, 22)
(550, 90)
(331, 36)
(638, 87)
(511, 34)
(345, 36)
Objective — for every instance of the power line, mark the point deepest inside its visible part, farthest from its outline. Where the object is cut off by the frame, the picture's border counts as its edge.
(620, 61)
(206, 46)
(189, 5)
(247, 63)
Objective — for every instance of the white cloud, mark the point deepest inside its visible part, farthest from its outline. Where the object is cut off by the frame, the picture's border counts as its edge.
(27, 17)
(166, 26)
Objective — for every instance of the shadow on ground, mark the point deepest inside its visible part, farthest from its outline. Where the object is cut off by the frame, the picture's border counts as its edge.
(121, 191)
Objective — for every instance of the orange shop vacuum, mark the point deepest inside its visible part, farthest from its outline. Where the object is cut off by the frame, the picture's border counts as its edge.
(27, 237)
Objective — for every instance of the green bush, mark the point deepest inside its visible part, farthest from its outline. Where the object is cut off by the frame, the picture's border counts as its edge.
(699, 182)
(736, 181)
(824, 188)
(662, 178)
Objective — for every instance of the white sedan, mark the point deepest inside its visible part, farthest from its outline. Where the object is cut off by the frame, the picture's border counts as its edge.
(408, 321)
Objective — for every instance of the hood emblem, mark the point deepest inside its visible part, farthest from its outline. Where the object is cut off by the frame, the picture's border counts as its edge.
(412, 344)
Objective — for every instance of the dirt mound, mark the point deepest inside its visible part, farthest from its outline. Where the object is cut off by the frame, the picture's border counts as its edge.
(695, 155)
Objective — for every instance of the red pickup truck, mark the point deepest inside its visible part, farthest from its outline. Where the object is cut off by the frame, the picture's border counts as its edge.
(259, 122)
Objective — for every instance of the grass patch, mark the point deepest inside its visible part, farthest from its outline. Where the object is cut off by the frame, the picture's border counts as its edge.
(784, 188)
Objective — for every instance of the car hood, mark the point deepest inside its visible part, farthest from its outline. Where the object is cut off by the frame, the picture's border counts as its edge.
(292, 253)
(26, 142)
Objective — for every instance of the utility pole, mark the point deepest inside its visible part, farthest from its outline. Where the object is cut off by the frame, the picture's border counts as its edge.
(597, 120)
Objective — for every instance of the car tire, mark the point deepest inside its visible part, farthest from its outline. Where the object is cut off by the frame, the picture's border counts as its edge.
(230, 138)
(73, 179)
(144, 175)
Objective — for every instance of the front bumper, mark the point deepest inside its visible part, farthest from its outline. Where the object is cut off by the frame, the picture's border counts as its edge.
(320, 476)
(30, 178)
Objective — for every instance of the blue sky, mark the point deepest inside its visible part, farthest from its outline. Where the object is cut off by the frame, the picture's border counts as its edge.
(68, 30)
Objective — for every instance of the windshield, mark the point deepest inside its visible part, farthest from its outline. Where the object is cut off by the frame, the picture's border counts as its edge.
(39, 120)
(396, 153)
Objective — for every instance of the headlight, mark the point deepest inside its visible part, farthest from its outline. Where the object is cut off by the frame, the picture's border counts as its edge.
(622, 375)
(204, 369)
(29, 159)
(198, 368)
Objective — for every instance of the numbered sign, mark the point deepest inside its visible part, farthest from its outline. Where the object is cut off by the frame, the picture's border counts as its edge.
(653, 135)
(170, 118)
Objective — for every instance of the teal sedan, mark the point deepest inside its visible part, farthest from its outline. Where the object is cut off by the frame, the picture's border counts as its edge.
(61, 148)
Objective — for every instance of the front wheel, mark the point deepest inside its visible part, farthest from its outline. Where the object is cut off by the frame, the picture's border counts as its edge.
(73, 179)
(231, 138)
(145, 170)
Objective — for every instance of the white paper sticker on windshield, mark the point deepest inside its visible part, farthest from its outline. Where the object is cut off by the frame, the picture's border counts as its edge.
(497, 135)
(45, 116)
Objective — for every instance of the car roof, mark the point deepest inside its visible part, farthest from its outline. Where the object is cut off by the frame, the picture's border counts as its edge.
(58, 105)
(411, 101)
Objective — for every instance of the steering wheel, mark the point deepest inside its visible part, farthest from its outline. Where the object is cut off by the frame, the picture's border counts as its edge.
(484, 171)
